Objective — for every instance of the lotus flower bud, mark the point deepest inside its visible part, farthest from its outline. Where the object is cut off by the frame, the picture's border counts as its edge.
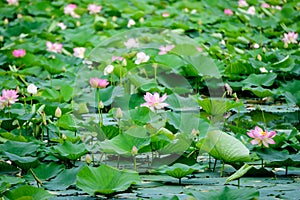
(58, 112)
(119, 114)
(134, 150)
(101, 105)
(88, 159)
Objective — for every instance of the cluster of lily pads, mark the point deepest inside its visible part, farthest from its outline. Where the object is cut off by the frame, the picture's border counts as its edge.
(96, 95)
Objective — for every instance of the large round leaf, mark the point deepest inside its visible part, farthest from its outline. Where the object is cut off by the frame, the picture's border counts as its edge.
(224, 147)
(28, 192)
(69, 151)
(123, 143)
(105, 179)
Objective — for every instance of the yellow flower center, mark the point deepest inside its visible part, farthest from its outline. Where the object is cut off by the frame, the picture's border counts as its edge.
(264, 133)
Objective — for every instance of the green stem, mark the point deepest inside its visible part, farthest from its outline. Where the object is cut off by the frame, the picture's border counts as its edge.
(222, 168)
(238, 183)
(134, 163)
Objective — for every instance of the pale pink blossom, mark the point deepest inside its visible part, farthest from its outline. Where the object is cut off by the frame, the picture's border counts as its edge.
(19, 53)
(79, 52)
(278, 7)
(200, 49)
(290, 37)
(141, 57)
(251, 10)
(70, 10)
(165, 49)
(98, 82)
(265, 5)
(166, 14)
(94, 9)
(9, 97)
(54, 47)
(13, 2)
(32, 89)
(153, 101)
(117, 58)
(130, 23)
(131, 43)
(134, 150)
(261, 137)
(243, 3)
(228, 12)
(61, 25)
(108, 69)
(58, 112)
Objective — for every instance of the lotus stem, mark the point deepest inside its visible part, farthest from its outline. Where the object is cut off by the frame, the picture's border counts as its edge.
(215, 164)
(238, 183)
(286, 170)
(222, 168)
(134, 163)
(38, 181)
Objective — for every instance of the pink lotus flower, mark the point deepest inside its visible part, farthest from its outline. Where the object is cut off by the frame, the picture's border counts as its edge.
(251, 10)
(54, 47)
(98, 82)
(154, 101)
(261, 137)
(166, 14)
(117, 58)
(290, 37)
(131, 43)
(243, 3)
(70, 10)
(94, 9)
(265, 5)
(228, 12)
(19, 53)
(79, 52)
(13, 2)
(141, 57)
(9, 97)
(165, 49)
(61, 25)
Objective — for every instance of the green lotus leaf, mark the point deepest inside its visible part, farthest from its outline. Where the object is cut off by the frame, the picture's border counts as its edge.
(24, 163)
(161, 138)
(260, 79)
(27, 192)
(178, 170)
(105, 180)
(63, 180)
(19, 148)
(259, 91)
(68, 150)
(226, 193)
(45, 171)
(6, 168)
(123, 143)
(239, 173)
(224, 147)
(279, 158)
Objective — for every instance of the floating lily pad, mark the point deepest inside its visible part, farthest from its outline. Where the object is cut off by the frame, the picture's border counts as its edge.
(226, 193)
(28, 192)
(105, 180)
